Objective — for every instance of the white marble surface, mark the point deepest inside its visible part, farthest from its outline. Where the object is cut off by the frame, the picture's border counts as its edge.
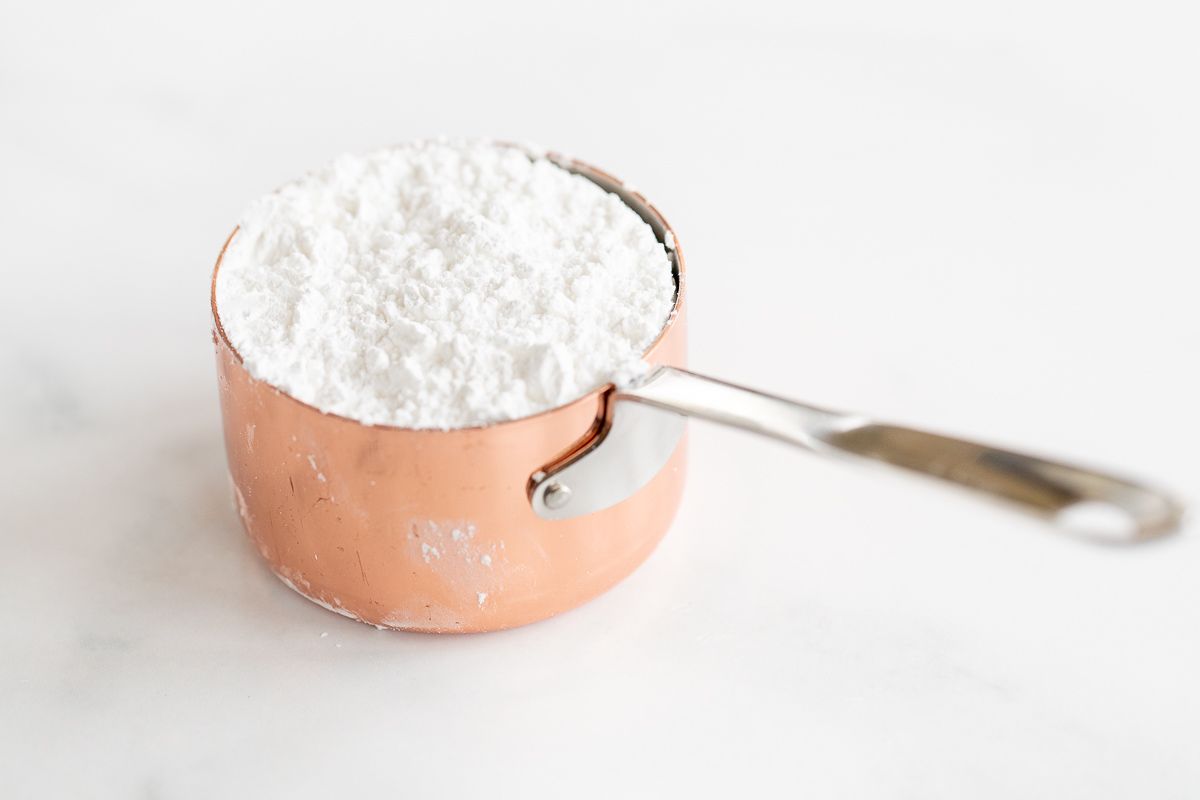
(981, 223)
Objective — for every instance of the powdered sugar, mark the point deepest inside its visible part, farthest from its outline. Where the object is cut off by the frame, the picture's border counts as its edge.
(442, 284)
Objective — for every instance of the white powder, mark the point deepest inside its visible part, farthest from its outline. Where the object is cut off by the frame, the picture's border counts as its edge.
(442, 284)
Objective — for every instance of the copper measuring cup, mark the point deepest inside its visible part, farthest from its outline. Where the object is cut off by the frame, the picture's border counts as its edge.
(484, 528)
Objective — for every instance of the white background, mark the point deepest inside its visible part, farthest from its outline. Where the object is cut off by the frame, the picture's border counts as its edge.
(980, 221)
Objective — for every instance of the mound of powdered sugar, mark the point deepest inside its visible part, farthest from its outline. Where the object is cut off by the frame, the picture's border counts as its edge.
(442, 284)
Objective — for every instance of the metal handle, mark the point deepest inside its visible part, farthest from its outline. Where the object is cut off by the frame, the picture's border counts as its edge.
(1092, 503)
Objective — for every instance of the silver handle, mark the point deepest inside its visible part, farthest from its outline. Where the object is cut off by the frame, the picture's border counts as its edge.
(1048, 487)
(636, 444)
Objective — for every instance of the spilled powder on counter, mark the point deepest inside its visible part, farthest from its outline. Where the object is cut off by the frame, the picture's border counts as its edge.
(442, 284)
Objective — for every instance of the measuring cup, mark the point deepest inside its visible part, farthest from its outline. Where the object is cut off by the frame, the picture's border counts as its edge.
(484, 528)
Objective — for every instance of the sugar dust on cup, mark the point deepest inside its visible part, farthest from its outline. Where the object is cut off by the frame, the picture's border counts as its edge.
(453, 393)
